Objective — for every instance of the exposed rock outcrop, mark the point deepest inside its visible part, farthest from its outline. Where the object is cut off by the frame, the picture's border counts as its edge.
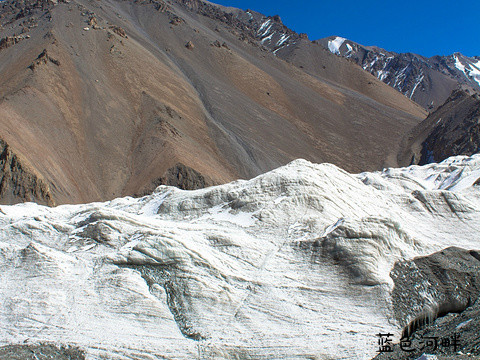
(8, 41)
(43, 58)
(15, 10)
(176, 20)
(181, 176)
(17, 182)
(119, 31)
(185, 177)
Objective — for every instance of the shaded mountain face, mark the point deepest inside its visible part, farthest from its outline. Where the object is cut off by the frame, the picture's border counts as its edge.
(427, 81)
(453, 129)
(100, 99)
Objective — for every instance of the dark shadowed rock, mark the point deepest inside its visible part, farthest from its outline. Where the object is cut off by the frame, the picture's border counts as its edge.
(453, 129)
(18, 182)
(184, 178)
(180, 176)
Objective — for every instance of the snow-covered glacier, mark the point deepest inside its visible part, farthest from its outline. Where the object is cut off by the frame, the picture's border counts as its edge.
(293, 264)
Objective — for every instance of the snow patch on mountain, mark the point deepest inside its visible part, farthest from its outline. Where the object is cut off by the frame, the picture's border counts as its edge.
(267, 38)
(335, 44)
(458, 64)
(418, 82)
(349, 48)
(264, 28)
(470, 69)
(275, 267)
(282, 40)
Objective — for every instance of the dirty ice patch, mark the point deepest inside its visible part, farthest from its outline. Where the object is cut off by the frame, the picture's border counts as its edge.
(220, 214)
(152, 206)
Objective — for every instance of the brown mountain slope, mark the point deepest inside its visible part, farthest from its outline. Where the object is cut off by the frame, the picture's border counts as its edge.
(453, 129)
(111, 98)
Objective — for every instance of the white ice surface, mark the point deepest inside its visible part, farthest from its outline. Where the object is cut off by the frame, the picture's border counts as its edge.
(293, 264)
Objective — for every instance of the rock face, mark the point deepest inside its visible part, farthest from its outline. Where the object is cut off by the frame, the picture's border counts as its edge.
(119, 31)
(8, 41)
(43, 59)
(107, 112)
(185, 178)
(427, 81)
(453, 129)
(277, 267)
(16, 10)
(180, 176)
(17, 182)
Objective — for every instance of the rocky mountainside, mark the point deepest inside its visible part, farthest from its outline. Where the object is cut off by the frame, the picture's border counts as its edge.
(304, 262)
(427, 81)
(453, 129)
(100, 99)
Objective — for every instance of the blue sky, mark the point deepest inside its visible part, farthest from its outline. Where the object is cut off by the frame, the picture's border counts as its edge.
(425, 27)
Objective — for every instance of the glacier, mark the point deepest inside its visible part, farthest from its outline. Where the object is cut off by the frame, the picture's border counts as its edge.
(293, 264)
